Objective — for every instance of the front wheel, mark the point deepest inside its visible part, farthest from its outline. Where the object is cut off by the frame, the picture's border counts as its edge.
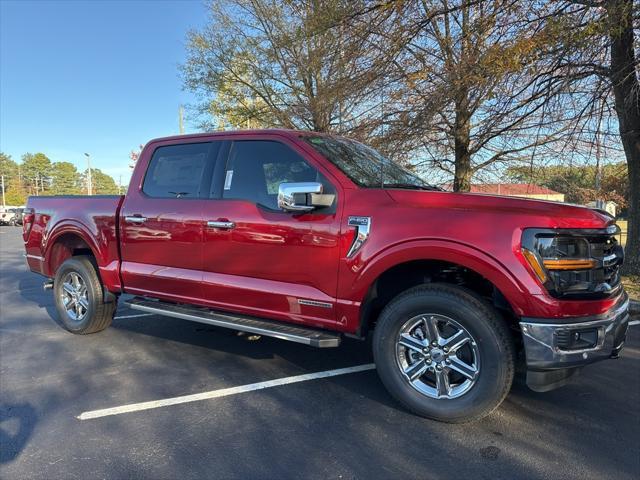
(79, 297)
(444, 353)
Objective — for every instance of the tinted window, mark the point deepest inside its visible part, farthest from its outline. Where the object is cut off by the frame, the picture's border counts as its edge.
(256, 168)
(177, 171)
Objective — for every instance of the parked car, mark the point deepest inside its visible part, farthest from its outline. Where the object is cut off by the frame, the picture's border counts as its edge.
(19, 215)
(11, 216)
(312, 238)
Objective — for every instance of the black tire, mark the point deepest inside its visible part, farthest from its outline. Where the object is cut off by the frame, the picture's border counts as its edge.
(98, 313)
(493, 344)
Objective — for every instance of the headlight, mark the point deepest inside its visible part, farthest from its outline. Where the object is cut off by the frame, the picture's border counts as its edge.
(577, 263)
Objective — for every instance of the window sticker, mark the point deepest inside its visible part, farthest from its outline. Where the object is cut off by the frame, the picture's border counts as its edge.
(228, 179)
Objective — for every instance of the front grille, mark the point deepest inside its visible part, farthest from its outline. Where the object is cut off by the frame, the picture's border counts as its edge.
(599, 282)
(609, 254)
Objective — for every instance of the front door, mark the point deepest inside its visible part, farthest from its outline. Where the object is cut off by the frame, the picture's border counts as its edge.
(258, 259)
(161, 222)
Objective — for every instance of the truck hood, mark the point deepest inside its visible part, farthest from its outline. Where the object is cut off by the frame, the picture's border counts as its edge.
(532, 212)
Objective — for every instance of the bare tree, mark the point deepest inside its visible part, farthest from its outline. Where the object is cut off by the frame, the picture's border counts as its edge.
(595, 60)
(626, 90)
(260, 63)
(469, 88)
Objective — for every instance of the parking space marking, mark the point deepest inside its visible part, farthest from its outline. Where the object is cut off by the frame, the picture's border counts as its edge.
(134, 316)
(635, 322)
(136, 407)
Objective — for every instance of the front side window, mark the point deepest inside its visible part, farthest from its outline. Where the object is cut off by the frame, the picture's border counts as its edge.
(364, 165)
(176, 171)
(256, 168)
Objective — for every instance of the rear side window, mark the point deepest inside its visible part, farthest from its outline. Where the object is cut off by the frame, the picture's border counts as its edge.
(177, 171)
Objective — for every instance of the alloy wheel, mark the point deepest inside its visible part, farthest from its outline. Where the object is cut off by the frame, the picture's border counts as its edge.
(74, 296)
(437, 356)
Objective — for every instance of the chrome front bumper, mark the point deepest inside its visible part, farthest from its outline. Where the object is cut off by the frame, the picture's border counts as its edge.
(550, 362)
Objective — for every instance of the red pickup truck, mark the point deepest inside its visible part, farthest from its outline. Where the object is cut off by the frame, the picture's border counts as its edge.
(310, 238)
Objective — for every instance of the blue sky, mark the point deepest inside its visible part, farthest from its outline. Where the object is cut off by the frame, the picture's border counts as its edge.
(92, 76)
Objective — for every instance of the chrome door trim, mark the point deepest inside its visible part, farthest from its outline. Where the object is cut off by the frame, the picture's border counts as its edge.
(223, 225)
(135, 219)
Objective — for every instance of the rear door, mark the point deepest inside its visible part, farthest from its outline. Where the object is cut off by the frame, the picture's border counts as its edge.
(161, 221)
(258, 259)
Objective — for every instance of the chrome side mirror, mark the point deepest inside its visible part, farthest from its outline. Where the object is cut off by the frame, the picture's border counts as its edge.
(302, 197)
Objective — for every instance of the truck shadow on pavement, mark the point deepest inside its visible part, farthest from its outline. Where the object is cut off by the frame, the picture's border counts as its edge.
(32, 292)
(233, 342)
(17, 422)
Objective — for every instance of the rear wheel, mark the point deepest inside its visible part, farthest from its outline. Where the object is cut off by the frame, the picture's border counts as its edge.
(79, 297)
(444, 353)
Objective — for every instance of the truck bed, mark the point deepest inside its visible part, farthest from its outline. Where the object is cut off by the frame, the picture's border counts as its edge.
(92, 221)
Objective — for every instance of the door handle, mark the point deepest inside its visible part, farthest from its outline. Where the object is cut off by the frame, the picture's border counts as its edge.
(224, 225)
(135, 219)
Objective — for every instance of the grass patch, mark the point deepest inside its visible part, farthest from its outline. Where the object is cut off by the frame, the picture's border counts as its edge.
(632, 286)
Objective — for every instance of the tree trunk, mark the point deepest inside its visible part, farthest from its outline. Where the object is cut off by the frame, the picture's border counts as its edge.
(626, 90)
(462, 137)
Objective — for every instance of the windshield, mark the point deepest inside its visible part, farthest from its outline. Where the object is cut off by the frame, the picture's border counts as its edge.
(364, 165)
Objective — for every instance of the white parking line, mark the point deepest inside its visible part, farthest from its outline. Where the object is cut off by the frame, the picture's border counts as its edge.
(635, 322)
(134, 316)
(136, 407)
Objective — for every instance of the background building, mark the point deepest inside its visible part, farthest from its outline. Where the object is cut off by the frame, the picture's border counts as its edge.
(519, 190)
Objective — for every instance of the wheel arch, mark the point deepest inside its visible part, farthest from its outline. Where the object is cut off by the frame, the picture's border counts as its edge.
(73, 238)
(66, 242)
(407, 265)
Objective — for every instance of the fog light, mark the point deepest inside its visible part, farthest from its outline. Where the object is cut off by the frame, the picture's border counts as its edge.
(577, 339)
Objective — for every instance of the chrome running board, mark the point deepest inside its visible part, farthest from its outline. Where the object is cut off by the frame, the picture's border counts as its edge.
(270, 328)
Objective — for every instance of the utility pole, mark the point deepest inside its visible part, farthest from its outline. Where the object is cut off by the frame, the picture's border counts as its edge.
(4, 203)
(89, 187)
(180, 120)
(120, 185)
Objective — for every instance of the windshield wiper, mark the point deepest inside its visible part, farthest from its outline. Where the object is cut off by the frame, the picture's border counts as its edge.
(412, 186)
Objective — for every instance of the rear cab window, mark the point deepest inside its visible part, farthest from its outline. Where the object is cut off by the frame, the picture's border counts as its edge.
(180, 171)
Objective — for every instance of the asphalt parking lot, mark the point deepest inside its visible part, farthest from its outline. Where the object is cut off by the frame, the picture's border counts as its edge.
(344, 426)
